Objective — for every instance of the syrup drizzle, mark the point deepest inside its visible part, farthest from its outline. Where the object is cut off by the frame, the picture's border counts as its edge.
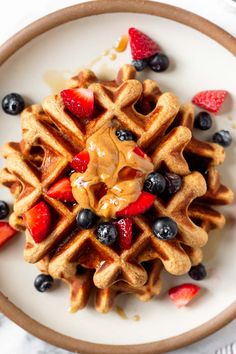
(55, 80)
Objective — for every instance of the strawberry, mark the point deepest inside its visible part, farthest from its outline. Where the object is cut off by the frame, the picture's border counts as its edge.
(79, 101)
(210, 100)
(181, 295)
(124, 228)
(38, 221)
(143, 203)
(6, 232)
(80, 161)
(139, 152)
(62, 191)
(141, 45)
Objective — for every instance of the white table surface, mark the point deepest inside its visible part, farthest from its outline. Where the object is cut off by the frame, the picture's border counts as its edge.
(14, 15)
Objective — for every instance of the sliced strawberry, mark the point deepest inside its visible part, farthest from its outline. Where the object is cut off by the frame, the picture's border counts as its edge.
(125, 234)
(62, 191)
(143, 203)
(6, 232)
(38, 221)
(141, 45)
(181, 295)
(79, 101)
(139, 152)
(210, 100)
(80, 161)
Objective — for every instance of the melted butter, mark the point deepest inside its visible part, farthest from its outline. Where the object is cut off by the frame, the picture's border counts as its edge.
(55, 80)
(121, 313)
(122, 43)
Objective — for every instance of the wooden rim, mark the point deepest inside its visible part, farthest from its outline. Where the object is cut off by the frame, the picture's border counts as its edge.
(6, 51)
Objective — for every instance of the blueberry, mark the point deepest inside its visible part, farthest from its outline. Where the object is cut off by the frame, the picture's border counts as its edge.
(223, 138)
(159, 62)
(43, 282)
(165, 228)
(4, 209)
(13, 104)
(155, 183)
(198, 272)
(106, 233)
(124, 135)
(140, 65)
(203, 121)
(86, 219)
(173, 182)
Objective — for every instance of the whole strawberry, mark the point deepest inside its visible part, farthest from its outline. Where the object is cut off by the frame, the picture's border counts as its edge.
(210, 100)
(141, 45)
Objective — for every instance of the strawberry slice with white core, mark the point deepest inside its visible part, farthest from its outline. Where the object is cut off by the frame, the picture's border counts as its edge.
(6, 232)
(141, 45)
(181, 295)
(62, 191)
(80, 102)
(38, 221)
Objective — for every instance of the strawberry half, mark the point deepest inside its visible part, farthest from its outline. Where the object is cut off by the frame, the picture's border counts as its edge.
(80, 161)
(62, 191)
(143, 203)
(6, 232)
(125, 233)
(181, 295)
(79, 101)
(139, 152)
(210, 100)
(141, 45)
(38, 221)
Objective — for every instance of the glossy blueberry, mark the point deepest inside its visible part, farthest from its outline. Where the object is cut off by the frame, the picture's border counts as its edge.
(107, 233)
(43, 282)
(155, 183)
(86, 219)
(198, 272)
(223, 138)
(4, 209)
(203, 121)
(139, 65)
(124, 134)
(165, 228)
(173, 182)
(159, 62)
(13, 104)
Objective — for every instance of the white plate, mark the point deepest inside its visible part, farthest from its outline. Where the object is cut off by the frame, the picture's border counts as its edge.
(197, 63)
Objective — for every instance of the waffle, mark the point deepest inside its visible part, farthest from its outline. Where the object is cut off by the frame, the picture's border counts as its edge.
(163, 128)
(82, 287)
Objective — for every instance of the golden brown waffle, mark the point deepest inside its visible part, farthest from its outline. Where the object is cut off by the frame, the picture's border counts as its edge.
(51, 137)
(81, 287)
(206, 157)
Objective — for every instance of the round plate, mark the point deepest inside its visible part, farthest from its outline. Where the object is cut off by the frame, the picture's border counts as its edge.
(56, 45)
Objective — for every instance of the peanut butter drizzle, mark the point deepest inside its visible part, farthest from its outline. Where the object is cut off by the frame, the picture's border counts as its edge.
(113, 163)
